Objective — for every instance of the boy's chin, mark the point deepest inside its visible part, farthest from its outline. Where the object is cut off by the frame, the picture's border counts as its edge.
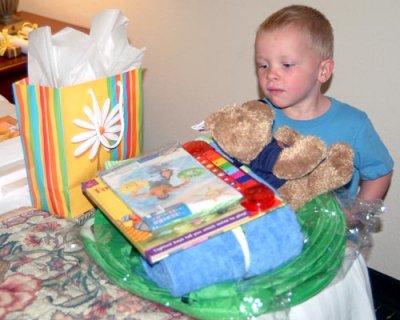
(279, 105)
(276, 103)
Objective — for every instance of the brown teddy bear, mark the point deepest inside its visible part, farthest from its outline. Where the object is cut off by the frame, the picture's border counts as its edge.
(299, 167)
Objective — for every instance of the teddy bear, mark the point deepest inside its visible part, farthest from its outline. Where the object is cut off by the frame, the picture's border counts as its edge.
(299, 167)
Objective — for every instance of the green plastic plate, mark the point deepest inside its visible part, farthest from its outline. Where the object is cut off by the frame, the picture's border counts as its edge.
(324, 228)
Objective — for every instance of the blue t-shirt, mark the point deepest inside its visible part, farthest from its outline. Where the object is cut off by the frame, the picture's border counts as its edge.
(344, 123)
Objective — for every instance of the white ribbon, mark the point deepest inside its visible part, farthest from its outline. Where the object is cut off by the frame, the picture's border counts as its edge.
(241, 238)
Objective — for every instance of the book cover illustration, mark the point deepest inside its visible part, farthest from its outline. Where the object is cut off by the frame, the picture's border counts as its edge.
(168, 187)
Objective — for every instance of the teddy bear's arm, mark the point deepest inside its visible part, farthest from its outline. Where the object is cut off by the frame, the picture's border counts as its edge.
(286, 135)
(299, 159)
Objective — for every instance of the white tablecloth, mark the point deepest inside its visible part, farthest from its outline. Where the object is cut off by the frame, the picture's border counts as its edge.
(349, 297)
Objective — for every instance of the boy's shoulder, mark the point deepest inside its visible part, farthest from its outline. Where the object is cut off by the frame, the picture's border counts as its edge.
(347, 111)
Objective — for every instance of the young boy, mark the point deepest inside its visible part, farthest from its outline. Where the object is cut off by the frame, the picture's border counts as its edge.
(294, 57)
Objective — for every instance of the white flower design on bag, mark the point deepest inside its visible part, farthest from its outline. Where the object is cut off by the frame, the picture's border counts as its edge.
(104, 126)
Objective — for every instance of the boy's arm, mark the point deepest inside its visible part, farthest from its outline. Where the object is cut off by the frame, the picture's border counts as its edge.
(371, 190)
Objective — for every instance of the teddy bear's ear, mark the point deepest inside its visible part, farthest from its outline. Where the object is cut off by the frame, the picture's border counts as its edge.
(219, 123)
(262, 108)
(262, 116)
(242, 131)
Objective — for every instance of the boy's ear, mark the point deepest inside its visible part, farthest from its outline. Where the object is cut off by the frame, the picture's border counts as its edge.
(325, 70)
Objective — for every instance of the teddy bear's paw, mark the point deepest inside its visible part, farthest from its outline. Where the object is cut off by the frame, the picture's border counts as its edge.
(286, 135)
(334, 172)
(301, 158)
(296, 193)
(339, 164)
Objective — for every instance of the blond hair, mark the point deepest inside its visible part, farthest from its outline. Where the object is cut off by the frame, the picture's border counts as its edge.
(306, 19)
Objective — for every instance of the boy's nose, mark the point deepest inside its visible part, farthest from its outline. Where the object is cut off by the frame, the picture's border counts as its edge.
(272, 74)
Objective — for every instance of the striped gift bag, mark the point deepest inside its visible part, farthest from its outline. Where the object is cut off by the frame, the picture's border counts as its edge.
(69, 132)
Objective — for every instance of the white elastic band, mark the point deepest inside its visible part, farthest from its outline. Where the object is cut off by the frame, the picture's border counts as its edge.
(241, 238)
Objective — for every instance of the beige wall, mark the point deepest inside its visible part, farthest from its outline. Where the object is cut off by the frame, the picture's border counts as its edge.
(199, 57)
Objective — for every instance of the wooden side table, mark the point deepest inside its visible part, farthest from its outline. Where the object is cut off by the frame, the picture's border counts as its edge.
(14, 69)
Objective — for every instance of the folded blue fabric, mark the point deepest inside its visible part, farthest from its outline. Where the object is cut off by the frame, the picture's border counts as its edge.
(273, 240)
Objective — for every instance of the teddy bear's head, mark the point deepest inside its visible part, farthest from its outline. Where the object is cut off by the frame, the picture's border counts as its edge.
(242, 131)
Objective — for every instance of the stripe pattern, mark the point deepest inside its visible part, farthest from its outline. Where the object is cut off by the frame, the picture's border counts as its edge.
(44, 117)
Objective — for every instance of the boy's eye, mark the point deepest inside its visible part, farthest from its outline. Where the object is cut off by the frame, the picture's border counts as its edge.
(287, 65)
(262, 66)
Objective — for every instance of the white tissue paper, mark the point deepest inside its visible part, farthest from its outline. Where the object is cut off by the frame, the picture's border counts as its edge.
(71, 57)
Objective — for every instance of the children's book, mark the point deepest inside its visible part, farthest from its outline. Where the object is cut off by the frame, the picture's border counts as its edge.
(169, 186)
(167, 201)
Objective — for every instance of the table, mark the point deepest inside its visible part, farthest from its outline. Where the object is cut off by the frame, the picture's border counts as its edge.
(42, 260)
(14, 69)
(46, 274)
